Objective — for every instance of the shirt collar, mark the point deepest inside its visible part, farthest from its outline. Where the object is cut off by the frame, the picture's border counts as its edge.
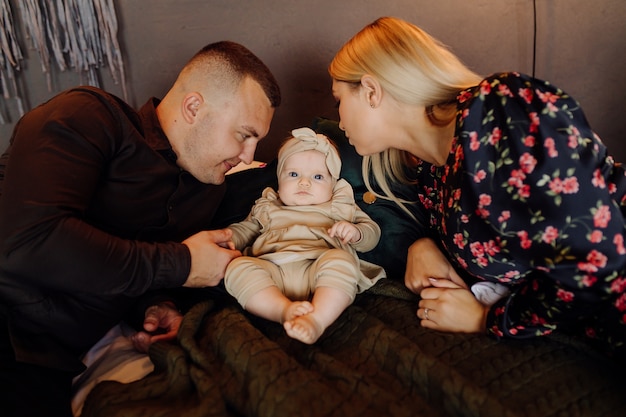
(153, 132)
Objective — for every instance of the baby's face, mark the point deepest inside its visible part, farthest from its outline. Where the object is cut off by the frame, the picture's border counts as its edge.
(305, 179)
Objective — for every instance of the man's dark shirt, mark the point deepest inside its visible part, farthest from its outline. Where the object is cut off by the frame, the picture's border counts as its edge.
(92, 211)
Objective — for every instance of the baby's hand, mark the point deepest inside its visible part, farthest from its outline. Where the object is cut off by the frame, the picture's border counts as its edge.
(228, 244)
(346, 231)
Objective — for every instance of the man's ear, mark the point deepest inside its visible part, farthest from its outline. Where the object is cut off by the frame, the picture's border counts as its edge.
(372, 89)
(190, 106)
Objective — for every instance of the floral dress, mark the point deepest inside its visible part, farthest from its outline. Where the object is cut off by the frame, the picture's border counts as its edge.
(529, 198)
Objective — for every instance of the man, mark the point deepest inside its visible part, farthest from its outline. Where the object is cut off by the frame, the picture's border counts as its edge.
(100, 204)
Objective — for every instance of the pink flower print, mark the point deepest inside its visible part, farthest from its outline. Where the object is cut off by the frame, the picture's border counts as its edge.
(529, 141)
(485, 88)
(491, 248)
(550, 234)
(495, 136)
(504, 216)
(618, 285)
(517, 178)
(527, 163)
(556, 185)
(478, 251)
(550, 145)
(464, 96)
(552, 108)
(547, 97)
(567, 186)
(524, 192)
(564, 295)
(484, 200)
(482, 261)
(457, 194)
(618, 241)
(458, 240)
(612, 188)
(587, 267)
(482, 212)
(464, 218)
(597, 258)
(462, 262)
(474, 142)
(589, 280)
(479, 176)
(426, 202)
(526, 94)
(602, 216)
(537, 320)
(534, 122)
(596, 236)
(598, 179)
(570, 185)
(510, 276)
(620, 303)
(497, 331)
(590, 332)
(572, 141)
(503, 90)
(525, 243)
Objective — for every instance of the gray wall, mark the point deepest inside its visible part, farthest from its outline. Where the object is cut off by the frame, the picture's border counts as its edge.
(581, 47)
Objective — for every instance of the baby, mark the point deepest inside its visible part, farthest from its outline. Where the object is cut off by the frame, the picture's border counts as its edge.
(300, 266)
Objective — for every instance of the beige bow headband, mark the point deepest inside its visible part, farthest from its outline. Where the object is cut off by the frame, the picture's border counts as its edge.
(305, 139)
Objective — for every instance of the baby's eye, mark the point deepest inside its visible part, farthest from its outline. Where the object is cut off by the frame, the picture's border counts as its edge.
(292, 174)
(318, 177)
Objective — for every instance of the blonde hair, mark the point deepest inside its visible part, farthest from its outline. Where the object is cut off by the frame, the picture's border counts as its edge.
(413, 68)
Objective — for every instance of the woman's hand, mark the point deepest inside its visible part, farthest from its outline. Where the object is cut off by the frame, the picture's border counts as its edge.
(426, 261)
(449, 307)
(161, 322)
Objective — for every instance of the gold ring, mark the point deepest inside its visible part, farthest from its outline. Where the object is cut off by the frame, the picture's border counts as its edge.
(426, 314)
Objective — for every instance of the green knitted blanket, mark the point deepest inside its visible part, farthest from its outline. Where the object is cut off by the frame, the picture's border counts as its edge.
(375, 360)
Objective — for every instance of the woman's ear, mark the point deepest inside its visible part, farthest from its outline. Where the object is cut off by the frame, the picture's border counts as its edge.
(190, 105)
(372, 89)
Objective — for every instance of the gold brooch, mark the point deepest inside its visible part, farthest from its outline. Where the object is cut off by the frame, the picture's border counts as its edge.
(369, 197)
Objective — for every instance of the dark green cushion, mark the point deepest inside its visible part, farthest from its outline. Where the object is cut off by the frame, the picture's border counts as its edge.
(398, 229)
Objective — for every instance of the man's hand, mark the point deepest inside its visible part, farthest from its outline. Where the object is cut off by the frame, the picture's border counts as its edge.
(161, 322)
(426, 261)
(211, 252)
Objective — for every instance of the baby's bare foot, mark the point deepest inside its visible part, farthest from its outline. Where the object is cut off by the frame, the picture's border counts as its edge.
(297, 309)
(304, 328)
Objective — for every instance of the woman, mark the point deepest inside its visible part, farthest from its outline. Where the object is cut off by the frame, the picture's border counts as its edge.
(519, 190)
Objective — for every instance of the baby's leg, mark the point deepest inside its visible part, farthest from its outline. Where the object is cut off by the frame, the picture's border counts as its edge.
(333, 274)
(271, 304)
(328, 303)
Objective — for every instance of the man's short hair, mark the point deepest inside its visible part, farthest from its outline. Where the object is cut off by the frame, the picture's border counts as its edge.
(235, 62)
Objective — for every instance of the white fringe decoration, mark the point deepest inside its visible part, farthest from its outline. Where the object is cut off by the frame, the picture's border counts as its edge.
(79, 35)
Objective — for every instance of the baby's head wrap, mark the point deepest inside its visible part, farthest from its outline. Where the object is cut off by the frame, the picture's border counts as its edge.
(305, 139)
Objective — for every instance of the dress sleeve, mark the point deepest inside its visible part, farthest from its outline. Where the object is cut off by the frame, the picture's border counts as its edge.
(59, 156)
(551, 198)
